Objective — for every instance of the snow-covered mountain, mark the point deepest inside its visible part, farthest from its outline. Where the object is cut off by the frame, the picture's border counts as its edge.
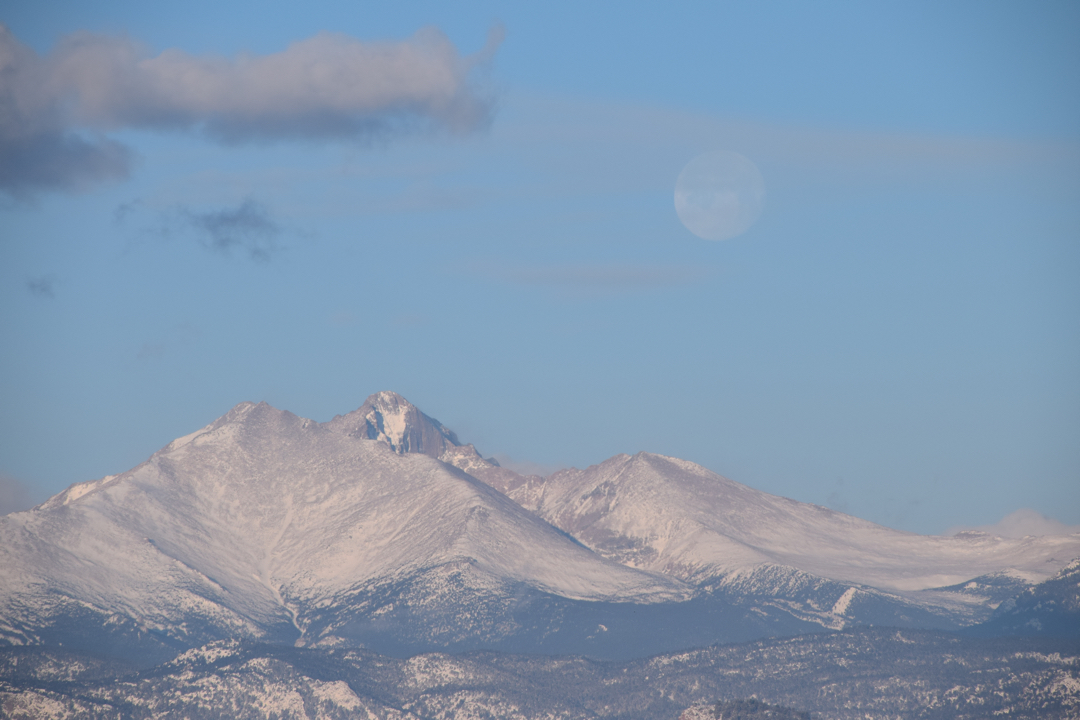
(264, 524)
(1051, 609)
(673, 517)
(380, 528)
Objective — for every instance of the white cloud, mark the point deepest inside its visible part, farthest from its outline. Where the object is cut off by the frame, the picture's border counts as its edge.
(328, 86)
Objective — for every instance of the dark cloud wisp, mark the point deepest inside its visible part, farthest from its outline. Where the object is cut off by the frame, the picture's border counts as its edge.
(53, 108)
(43, 287)
(248, 227)
(51, 158)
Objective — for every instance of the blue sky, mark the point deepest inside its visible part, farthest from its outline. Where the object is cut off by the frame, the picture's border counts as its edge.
(898, 335)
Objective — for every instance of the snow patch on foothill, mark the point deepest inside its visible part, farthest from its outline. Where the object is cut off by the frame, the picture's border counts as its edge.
(843, 602)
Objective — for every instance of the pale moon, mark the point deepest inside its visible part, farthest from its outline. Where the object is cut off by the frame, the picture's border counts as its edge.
(719, 195)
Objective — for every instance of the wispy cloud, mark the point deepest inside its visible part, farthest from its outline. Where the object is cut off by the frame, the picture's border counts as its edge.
(1021, 523)
(585, 145)
(43, 287)
(14, 495)
(54, 107)
(602, 278)
(248, 226)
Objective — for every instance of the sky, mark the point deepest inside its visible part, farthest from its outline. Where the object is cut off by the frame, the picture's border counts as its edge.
(472, 204)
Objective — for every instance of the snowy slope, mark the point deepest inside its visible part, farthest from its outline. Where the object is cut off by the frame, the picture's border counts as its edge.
(250, 524)
(672, 516)
(380, 528)
(677, 518)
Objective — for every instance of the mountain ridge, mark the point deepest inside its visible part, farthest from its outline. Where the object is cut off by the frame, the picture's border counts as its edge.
(262, 516)
(380, 528)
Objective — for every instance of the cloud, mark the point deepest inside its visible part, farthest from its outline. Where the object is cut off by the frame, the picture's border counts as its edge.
(248, 227)
(1021, 523)
(39, 149)
(54, 108)
(14, 495)
(54, 159)
(43, 287)
(597, 147)
(125, 210)
(597, 278)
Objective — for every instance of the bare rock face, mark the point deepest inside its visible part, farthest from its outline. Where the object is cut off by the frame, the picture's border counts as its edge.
(388, 417)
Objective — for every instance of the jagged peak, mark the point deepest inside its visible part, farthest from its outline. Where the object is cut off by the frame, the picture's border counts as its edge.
(390, 418)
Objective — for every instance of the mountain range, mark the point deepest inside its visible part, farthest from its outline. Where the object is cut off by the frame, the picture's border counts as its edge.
(381, 530)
